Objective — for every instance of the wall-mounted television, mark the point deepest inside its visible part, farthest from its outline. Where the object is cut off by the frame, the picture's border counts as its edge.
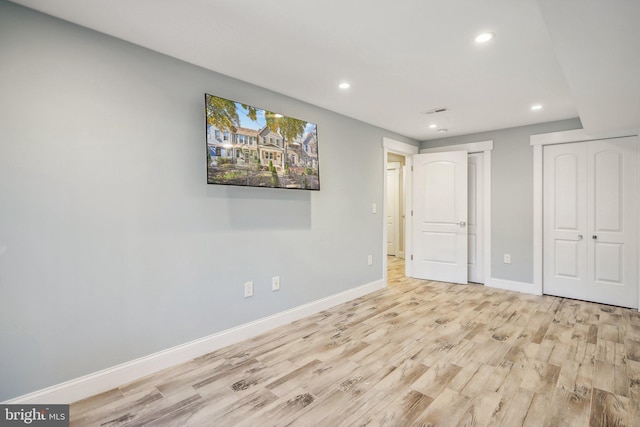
(253, 147)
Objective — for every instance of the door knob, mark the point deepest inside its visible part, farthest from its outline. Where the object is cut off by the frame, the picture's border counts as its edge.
(594, 237)
(462, 223)
(579, 236)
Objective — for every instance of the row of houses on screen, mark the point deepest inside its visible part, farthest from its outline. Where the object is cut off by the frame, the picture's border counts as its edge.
(247, 146)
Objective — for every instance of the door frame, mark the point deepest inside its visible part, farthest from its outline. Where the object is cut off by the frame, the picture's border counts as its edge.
(538, 142)
(407, 150)
(484, 148)
(479, 225)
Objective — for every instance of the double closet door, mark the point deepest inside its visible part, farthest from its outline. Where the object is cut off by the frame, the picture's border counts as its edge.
(591, 221)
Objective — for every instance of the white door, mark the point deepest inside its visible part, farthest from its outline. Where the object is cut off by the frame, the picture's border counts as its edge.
(613, 221)
(393, 207)
(440, 216)
(475, 235)
(590, 221)
(565, 220)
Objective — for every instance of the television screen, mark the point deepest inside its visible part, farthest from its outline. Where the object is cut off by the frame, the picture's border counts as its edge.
(249, 146)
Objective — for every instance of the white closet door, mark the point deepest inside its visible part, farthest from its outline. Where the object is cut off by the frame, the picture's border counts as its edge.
(565, 220)
(590, 221)
(613, 221)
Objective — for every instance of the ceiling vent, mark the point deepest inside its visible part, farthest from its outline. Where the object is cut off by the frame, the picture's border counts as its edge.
(436, 110)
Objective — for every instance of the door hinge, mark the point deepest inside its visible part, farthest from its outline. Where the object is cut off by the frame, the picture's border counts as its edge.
(411, 212)
(411, 168)
(411, 257)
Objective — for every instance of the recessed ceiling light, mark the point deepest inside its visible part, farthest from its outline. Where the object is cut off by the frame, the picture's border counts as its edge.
(442, 130)
(536, 107)
(344, 85)
(484, 37)
(433, 126)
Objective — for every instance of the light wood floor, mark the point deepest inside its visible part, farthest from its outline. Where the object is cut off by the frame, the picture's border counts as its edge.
(417, 353)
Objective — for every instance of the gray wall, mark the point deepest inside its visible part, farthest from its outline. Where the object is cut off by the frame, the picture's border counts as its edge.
(511, 194)
(112, 245)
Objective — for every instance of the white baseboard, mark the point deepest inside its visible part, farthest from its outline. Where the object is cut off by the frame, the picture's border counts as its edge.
(107, 379)
(512, 285)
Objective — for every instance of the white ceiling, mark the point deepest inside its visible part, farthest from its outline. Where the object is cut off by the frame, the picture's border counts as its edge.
(403, 57)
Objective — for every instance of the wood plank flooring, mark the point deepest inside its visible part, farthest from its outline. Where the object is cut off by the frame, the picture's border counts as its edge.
(417, 353)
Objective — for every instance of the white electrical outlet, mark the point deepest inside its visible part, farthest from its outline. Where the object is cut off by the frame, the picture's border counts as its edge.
(248, 289)
(374, 208)
(370, 260)
(507, 258)
(275, 283)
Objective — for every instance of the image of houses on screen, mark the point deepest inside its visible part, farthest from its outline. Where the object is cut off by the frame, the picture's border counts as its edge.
(249, 146)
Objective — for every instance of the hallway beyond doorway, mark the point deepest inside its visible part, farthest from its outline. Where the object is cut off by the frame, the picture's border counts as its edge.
(395, 269)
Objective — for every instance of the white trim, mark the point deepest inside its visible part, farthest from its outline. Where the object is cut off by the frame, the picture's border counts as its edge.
(399, 147)
(487, 214)
(472, 147)
(512, 285)
(484, 147)
(385, 157)
(537, 218)
(107, 379)
(408, 221)
(577, 135)
(538, 142)
(393, 146)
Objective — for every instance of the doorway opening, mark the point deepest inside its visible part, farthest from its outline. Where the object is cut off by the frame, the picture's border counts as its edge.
(395, 152)
(396, 231)
(395, 216)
